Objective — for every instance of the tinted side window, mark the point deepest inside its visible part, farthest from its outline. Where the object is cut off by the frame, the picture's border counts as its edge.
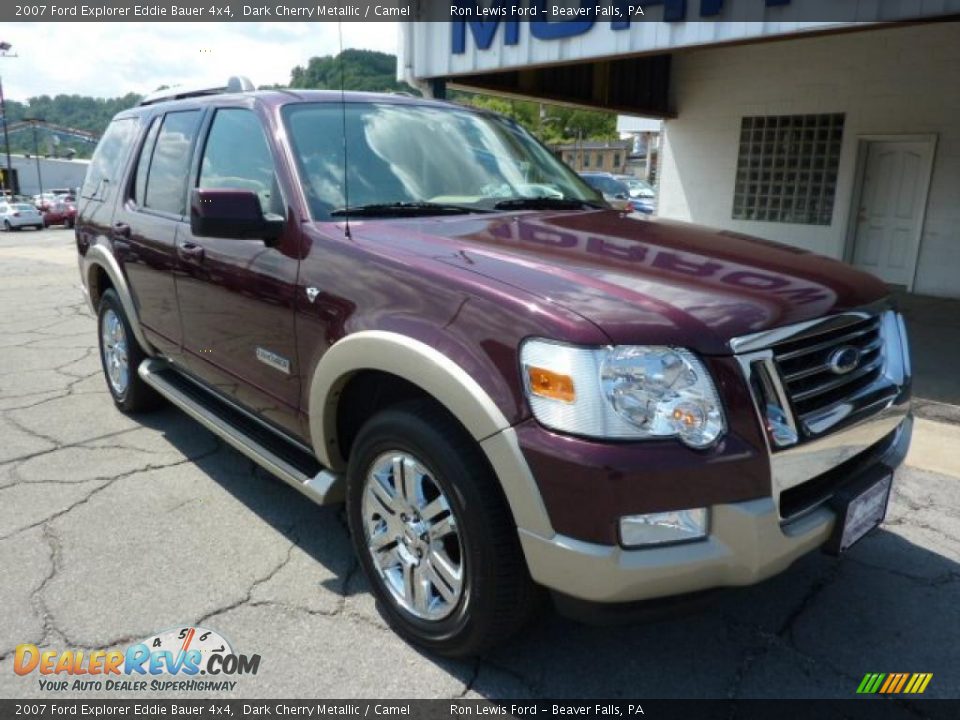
(237, 157)
(107, 163)
(170, 165)
(143, 164)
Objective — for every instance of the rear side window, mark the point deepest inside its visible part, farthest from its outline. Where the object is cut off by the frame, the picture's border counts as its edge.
(166, 186)
(237, 157)
(108, 159)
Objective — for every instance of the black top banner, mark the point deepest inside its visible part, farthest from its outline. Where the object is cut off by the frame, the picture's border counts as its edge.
(443, 709)
(618, 12)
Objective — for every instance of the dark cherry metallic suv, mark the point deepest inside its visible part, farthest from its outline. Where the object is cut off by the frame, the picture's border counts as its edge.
(416, 308)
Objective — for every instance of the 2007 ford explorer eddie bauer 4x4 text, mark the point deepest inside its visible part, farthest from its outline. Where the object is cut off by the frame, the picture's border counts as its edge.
(416, 308)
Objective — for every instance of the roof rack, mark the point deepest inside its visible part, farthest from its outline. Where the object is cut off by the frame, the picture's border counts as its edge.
(236, 84)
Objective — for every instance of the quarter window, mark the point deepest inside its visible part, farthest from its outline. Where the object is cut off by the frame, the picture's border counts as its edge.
(107, 163)
(166, 187)
(237, 157)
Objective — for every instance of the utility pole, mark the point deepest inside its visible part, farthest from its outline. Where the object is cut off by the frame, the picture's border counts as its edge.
(5, 52)
(36, 153)
(580, 145)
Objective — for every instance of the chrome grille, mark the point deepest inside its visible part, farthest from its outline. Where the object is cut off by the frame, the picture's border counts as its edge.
(810, 382)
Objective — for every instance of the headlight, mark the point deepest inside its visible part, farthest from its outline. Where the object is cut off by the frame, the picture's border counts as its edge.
(622, 392)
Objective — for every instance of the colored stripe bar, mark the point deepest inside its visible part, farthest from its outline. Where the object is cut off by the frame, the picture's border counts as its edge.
(903, 679)
(894, 683)
(891, 681)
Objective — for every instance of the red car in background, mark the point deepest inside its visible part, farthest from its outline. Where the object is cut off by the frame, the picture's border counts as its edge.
(59, 213)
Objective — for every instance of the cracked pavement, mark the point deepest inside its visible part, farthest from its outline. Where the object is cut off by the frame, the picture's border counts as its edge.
(112, 529)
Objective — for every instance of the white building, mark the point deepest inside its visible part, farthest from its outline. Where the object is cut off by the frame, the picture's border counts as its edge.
(54, 172)
(839, 137)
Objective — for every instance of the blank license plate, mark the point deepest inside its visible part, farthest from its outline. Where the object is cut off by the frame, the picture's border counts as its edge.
(865, 512)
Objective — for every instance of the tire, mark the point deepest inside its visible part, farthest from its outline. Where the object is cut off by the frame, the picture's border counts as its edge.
(496, 596)
(120, 356)
(6, 226)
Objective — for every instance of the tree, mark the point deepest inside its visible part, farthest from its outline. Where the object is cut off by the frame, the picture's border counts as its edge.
(554, 124)
(364, 70)
(76, 111)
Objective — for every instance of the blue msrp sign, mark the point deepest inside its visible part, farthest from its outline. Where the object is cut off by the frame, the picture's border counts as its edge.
(514, 13)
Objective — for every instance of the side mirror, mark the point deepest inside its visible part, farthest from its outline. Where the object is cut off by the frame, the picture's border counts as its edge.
(231, 214)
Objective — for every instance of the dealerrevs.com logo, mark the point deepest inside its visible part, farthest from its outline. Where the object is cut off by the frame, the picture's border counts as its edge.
(172, 660)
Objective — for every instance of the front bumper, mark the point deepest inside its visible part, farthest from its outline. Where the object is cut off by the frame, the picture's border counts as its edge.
(748, 542)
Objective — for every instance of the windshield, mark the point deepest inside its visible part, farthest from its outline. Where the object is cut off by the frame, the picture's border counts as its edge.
(24, 208)
(399, 153)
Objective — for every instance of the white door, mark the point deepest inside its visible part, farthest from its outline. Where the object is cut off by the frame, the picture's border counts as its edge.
(892, 201)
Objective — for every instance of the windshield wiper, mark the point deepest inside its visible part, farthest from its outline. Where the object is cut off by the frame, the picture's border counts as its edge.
(404, 208)
(545, 203)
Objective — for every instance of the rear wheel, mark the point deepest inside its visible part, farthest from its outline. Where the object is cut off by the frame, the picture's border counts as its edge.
(434, 534)
(120, 356)
(6, 226)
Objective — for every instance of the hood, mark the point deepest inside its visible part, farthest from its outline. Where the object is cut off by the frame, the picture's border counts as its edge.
(640, 281)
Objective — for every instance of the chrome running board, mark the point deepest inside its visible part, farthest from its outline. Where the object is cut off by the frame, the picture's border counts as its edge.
(245, 434)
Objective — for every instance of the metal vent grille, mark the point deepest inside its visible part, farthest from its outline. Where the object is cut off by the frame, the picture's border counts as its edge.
(809, 371)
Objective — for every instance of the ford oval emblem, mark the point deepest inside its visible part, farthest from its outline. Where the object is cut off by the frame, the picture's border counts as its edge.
(844, 359)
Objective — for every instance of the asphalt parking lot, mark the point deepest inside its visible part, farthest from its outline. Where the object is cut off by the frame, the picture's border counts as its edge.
(112, 530)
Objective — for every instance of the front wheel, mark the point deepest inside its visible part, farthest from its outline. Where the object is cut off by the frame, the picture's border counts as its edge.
(120, 356)
(434, 533)
(6, 226)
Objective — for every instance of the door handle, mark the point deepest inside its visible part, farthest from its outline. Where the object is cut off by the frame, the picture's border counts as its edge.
(190, 251)
(121, 229)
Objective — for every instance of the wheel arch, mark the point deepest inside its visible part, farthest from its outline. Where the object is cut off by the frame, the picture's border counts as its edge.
(443, 380)
(98, 259)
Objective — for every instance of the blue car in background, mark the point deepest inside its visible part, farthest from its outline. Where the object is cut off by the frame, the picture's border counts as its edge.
(642, 193)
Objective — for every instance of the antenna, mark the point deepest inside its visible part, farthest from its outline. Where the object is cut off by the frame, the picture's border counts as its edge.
(343, 115)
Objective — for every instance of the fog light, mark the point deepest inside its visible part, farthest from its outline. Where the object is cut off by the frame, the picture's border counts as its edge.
(660, 528)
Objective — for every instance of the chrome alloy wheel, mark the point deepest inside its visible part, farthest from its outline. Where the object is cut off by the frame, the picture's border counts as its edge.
(412, 536)
(114, 348)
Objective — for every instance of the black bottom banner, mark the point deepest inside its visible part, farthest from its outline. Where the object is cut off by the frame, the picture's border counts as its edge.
(872, 709)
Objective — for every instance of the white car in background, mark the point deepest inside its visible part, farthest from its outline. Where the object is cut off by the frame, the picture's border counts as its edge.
(14, 216)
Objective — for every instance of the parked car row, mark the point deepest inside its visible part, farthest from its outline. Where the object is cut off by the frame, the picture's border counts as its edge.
(57, 207)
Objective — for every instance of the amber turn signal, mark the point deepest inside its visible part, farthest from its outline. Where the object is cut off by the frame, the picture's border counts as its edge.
(549, 384)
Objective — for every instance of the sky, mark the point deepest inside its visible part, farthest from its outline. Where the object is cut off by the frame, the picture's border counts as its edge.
(112, 59)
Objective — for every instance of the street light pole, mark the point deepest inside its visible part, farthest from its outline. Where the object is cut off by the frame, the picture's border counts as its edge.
(36, 152)
(8, 177)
